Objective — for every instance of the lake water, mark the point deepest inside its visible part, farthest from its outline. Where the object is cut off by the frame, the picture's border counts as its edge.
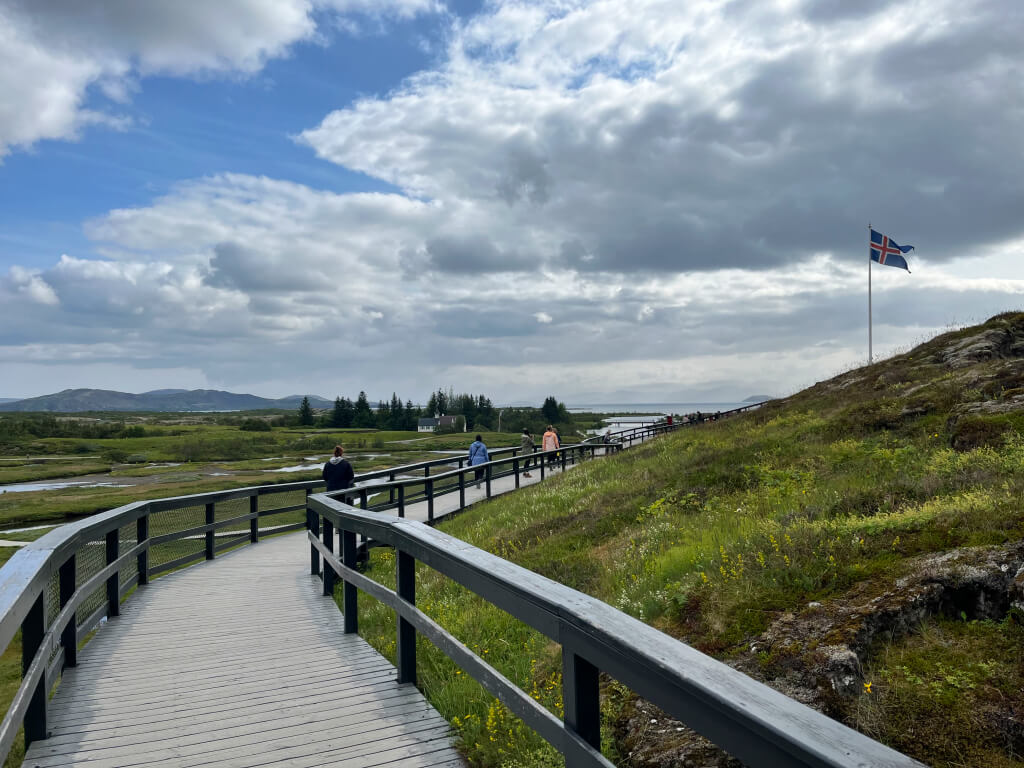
(661, 409)
(56, 486)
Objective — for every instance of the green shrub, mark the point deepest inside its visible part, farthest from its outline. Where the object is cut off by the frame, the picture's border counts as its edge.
(255, 425)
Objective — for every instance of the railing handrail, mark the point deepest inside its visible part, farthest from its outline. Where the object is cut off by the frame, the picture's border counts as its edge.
(752, 721)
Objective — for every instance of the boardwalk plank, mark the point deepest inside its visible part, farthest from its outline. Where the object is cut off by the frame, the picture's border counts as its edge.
(238, 662)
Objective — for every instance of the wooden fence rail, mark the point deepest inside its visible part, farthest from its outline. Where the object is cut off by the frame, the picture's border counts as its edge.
(751, 721)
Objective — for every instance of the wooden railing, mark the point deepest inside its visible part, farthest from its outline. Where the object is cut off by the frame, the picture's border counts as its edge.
(57, 589)
(751, 721)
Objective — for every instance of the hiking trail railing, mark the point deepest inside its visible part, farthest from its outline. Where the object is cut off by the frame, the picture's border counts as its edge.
(751, 721)
(56, 590)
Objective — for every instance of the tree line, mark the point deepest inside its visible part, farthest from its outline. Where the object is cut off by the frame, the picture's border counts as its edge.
(478, 411)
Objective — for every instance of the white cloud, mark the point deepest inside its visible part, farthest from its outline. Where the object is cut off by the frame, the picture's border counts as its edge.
(629, 134)
(53, 51)
(28, 283)
(684, 186)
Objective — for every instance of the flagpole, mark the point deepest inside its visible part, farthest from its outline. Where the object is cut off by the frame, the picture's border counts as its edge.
(869, 293)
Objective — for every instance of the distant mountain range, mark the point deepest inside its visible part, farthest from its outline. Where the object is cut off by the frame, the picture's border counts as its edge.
(758, 399)
(164, 400)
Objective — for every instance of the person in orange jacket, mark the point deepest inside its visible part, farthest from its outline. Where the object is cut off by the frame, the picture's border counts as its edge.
(550, 443)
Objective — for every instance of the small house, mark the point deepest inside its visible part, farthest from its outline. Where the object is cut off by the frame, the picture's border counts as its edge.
(448, 423)
(428, 425)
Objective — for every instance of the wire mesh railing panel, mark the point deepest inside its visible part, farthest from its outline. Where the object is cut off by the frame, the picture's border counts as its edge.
(270, 501)
(127, 537)
(232, 541)
(90, 559)
(273, 501)
(174, 521)
(225, 510)
(51, 599)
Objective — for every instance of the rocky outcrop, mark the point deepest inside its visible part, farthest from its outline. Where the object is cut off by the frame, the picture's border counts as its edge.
(990, 344)
(816, 655)
(826, 644)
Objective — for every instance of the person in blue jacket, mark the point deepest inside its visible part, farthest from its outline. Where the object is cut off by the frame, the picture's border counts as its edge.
(478, 455)
(338, 472)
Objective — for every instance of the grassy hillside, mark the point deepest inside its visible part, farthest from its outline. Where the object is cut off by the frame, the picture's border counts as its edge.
(879, 513)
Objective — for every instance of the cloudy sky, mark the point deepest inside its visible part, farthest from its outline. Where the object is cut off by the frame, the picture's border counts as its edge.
(616, 200)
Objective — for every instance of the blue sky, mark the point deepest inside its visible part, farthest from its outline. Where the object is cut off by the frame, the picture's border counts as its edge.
(606, 200)
(184, 128)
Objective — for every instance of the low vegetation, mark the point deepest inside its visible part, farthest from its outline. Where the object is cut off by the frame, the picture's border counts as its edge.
(714, 534)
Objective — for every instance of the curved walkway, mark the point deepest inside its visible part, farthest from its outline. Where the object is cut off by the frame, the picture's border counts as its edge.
(238, 662)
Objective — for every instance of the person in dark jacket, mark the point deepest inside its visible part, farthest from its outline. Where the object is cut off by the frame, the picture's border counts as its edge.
(338, 473)
(478, 455)
(526, 448)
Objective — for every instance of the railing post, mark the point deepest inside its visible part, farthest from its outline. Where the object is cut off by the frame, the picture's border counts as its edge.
(69, 638)
(462, 487)
(487, 477)
(328, 538)
(581, 696)
(406, 588)
(313, 526)
(141, 535)
(32, 631)
(515, 470)
(254, 524)
(363, 503)
(391, 490)
(113, 598)
(430, 501)
(210, 517)
(350, 604)
(401, 501)
(563, 460)
(542, 460)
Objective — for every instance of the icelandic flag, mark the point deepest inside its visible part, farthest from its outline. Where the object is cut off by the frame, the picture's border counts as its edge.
(886, 251)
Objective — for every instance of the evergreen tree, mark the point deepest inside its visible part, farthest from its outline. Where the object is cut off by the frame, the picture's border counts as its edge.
(305, 412)
(431, 409)
(338, 414)
(363, 416)
(550, 410)
(397, 416)
(346, 414)
(412, 416)
(383, 415)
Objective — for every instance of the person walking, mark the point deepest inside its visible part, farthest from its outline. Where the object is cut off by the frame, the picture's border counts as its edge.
(338, 473)
(550, 443)
(526, 448)
(478, 455)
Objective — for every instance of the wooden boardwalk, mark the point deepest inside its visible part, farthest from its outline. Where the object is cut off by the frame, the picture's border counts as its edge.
(449, 503)
(238, 662)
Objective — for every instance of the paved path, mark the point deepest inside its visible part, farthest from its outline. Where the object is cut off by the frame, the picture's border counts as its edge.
(238, 662)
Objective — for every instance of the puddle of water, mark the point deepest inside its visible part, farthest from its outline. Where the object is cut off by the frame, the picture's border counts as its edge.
(220, 474)
(30, 528)
(30, 487)
(165, 464)
(296, 468)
